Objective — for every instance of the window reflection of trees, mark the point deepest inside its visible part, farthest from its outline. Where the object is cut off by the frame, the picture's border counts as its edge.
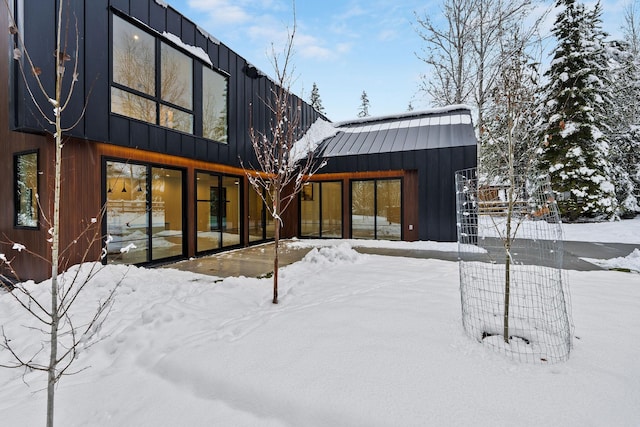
(362, 196)
(214, 106)
(133, 58)
(134, 67)
(176, 73)
(27, 188)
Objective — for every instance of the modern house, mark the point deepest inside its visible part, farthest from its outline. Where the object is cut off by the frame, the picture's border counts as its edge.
(155, 160)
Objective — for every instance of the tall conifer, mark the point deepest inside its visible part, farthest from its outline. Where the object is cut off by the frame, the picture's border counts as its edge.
(575, 149)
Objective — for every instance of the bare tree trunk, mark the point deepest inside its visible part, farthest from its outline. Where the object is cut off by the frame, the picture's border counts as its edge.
(276, 262)
(55, 238)
(507, 263)
(510, 208)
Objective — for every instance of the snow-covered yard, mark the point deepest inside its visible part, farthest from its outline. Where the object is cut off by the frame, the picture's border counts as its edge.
(357, 340)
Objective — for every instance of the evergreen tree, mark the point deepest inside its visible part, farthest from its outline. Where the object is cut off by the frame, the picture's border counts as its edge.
(314, 99)
(575, 144)
(363, 110)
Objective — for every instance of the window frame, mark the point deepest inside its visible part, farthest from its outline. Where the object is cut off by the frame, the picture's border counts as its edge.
(148, 185)
(320, 197)
(241, 213)
(375, 203)
(196, 112)
(16, 197)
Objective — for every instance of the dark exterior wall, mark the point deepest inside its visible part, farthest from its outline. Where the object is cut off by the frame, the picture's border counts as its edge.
(99, 134)
(410, 214)
(432, 171)
(245, 93)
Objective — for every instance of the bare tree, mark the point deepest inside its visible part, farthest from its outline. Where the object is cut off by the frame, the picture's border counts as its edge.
(447, 52)
(65, 338)
(511, 132)
(631, 27)
(282, 165)
(466, 55)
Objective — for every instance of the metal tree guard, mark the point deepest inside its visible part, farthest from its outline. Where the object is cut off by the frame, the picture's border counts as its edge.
(514, 293)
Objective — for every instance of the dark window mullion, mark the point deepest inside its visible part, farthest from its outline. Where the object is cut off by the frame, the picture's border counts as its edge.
(158, 59)
(319, 209)
(149, 203)
(133, 91)
(375, 209)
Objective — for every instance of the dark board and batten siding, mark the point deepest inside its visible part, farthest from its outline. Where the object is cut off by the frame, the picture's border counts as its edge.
(428, 143)
(98, 124)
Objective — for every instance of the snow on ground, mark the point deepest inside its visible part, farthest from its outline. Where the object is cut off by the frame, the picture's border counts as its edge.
(624, 231)
(630, 262)
(357, 340)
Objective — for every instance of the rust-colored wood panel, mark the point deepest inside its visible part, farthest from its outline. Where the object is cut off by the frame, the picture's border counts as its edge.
(358, 175)
(137, 155)
(290, 223)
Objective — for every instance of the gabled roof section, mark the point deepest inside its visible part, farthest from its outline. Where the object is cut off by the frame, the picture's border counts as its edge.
(438, 128)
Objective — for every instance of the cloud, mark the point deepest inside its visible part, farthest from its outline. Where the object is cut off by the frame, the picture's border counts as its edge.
(222, 11)
(387, 35)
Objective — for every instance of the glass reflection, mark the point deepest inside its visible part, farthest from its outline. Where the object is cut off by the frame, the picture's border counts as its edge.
(256, 215)
(127, 215)
(214, 105)
(230, 211)
(166, 213)
(310, 210)
(208, 212)
(331, 209)
(388, 224)
(376, 209)
(363, 209)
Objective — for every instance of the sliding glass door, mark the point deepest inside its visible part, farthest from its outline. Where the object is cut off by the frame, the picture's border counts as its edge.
(218, 211)
(376, 209)
(144, 212)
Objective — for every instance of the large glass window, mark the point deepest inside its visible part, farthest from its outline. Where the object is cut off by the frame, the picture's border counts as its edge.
(231, 211)
(218, 211)
(134, 57)
(152, 81)
(310, 210)
(331, 194)
(144, 212)
(376, 209)
(321, 209)
(177, 77)
(166, 213)
(256, 215)
(176, 88)
(26, 189)
(127, 213)
(214, 105)
(388, 209)
(208, 207)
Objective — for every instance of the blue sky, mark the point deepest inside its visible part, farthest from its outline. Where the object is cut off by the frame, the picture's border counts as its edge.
(345, 46)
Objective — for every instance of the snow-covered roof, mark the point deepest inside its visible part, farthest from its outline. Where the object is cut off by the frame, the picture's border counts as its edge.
(422, 130)
(408, 114)
(196, 51)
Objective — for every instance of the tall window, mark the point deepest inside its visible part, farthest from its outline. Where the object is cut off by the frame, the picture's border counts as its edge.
(214, 105)
(376, 207)
(218, 208)
(152, 81)
(176, 89)
(321, 209)
(26, 189)
(144, 212)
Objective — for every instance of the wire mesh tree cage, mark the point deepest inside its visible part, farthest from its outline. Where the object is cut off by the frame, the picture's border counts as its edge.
(514, 293)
